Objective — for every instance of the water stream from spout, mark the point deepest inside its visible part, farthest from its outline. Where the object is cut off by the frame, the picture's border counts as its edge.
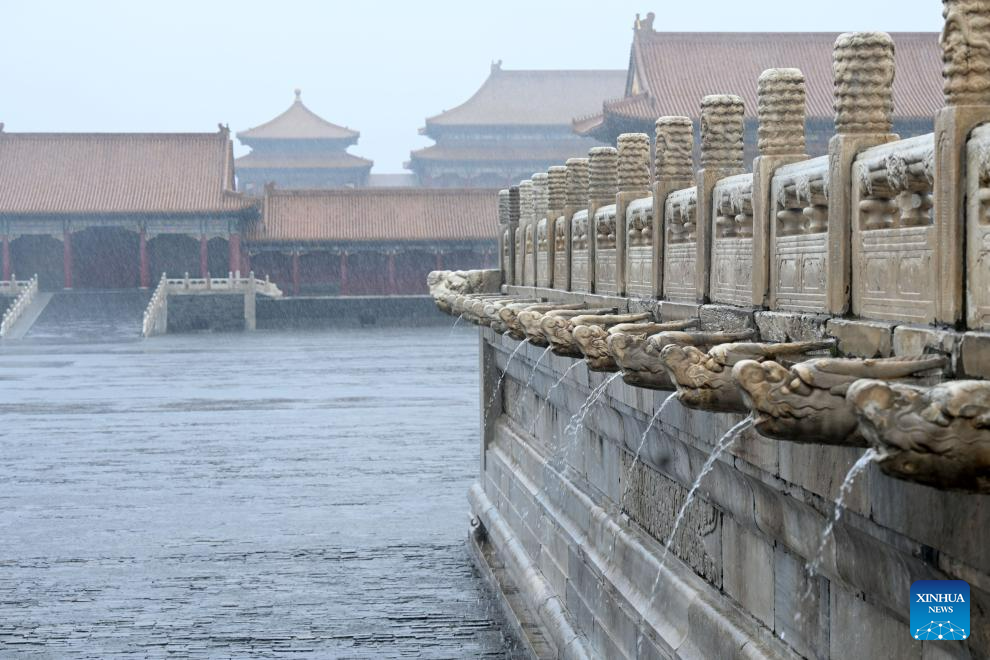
(560, 380)
(577, 420)
(639, 450)
(723, 444)
(840, 504)
(498, 385)
(529, 381)
(454, 327)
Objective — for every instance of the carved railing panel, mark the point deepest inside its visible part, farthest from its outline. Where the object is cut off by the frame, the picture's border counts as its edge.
(639, 248)
(542, 254)
(732, 241)
(978, 230)
(894, 275)
(520, 254)
(507, 266)
(799, 237)
(580, 253)
(529, 274)
(681, 246)
(606, 255)
(561, 265)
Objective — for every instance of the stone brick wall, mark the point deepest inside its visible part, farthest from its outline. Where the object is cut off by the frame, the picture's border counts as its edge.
(734, 584)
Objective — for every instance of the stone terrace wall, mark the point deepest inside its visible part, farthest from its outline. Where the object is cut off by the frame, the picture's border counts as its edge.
(734, 585)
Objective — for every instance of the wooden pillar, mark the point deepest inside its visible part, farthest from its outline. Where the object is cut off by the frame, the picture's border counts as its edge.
(204, 264)
(7, 267)
(343, 274)
(235, 252)
(295, 273)
(439, 257)
(392, 290)
(67, 257)
(145, 279)
(245, 261)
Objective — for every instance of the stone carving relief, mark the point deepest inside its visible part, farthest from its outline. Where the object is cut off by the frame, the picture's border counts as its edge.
(639, 248)
(559, 329)
(806, 402)
(639, 357)
(938, 436)
(978, 230)
(704, 380)
(532, 320)
(893, 234)
(594, 340)
(561, 263)
(799, 238)
(680, 219)
(542, 254)
(605, 251)
(965, 51)
(509, 314)
(580, 253)
(732, 241)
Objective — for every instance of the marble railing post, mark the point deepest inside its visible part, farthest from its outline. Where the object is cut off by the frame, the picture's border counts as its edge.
(721, 156)
(556, 202)
(517, 233)
(541, 276)
(674, 170)
(602, 189)
(633, 183)
(576, 198)
(863, 68)
(781, 94)
(966, 84)
(526, 224)
(506, 239)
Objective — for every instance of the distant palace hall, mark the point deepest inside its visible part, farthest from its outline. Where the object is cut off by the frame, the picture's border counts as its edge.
(299, 149)
(107, 210)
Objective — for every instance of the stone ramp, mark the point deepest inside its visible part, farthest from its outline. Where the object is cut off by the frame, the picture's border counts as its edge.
(30, 316)
(90, 315)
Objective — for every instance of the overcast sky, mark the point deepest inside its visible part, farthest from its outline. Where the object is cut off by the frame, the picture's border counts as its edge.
(378, 67)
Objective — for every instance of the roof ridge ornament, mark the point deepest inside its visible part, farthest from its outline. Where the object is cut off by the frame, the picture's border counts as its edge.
(298, 93)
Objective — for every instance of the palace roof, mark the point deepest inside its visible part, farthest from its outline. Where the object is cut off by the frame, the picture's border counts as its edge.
(369, 214)
(670, 72)
(319, 160)
(115, 173)
(532, 98)
(298, 123)
(531, 151)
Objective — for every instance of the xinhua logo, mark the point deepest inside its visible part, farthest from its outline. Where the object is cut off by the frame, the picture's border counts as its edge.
(940, 609)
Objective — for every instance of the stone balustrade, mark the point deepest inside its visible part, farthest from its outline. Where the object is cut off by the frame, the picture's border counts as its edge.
(25, 292)
(155, 321)
(800, 314)
(874, 231)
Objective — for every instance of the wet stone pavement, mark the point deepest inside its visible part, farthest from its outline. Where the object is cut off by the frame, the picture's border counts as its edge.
(243, 495)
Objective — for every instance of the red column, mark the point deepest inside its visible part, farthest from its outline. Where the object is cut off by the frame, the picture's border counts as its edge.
(204, 253)
(143, 252)
(391, 274)
(67, 258)
(235, 252)
(7, 268)
(343, 274)
(295, 273)
(439, 261)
